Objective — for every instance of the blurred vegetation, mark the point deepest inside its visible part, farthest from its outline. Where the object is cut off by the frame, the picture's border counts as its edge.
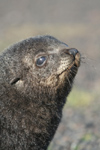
(87, 138)
(80, 98)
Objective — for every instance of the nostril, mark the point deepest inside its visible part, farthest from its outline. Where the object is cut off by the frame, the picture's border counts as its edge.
(73, 51)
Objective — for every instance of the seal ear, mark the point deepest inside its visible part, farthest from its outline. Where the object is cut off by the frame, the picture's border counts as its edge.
(14, 81)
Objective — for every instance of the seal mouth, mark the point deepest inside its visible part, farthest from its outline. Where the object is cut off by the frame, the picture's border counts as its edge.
(75, 63)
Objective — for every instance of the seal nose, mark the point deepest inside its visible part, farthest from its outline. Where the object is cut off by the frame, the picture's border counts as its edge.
(73, 51)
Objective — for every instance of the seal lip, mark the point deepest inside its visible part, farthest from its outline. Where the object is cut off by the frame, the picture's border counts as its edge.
(67, 69)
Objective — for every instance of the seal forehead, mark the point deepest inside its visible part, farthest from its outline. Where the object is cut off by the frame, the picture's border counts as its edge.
(49, 40)
(52, 44)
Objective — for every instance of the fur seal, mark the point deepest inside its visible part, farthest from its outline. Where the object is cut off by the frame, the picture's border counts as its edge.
(36, 76)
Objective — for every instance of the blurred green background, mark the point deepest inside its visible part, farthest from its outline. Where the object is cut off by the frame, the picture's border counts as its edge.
(75, 22)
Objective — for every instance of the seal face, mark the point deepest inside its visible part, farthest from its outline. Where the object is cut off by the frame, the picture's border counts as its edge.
(36, 76)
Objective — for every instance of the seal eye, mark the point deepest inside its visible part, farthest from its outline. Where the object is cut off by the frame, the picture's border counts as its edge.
(41, 61)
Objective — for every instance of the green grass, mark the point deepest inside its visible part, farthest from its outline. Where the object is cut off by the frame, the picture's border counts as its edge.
(80, 98)
(88, 137)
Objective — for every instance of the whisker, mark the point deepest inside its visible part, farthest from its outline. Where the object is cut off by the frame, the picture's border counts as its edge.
(88, 61)
(68, 81)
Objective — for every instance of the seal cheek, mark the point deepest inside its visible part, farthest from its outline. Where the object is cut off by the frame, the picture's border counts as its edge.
(51, 81)
(27, 61)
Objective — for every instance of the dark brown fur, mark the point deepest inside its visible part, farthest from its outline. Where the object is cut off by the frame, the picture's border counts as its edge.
(32, 97)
